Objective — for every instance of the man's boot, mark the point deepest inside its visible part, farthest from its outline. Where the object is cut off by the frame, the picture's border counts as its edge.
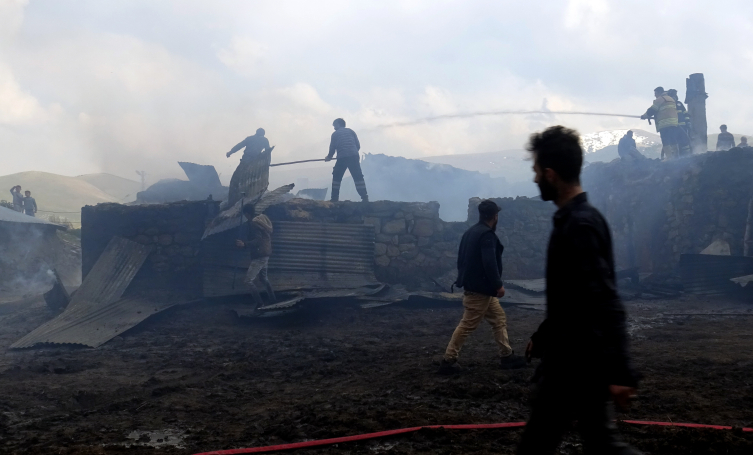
(449, 367)
(512, 362)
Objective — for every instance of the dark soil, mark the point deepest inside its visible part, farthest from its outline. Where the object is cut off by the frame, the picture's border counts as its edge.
(206, 380)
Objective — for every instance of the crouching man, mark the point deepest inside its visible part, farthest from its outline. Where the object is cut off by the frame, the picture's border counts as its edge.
(259, 247)
(480, 276)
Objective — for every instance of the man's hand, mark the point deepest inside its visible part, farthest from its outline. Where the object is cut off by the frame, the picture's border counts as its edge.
(643, 117)
(501, 292)
(622, 395)
(228, 154)
(240, 244)
(328, 159)
(529, 351)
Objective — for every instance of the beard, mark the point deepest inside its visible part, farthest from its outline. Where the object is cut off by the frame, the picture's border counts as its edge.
(547, 190)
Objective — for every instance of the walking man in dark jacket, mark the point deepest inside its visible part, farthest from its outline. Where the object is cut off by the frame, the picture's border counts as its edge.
(480, 276)
(345, 142)
(582, 342)
(30, 204)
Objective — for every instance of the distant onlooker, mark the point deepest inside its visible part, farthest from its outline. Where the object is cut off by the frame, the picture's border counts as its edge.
(30, 205)
(726, 140)
(18, 198)
(743, 142)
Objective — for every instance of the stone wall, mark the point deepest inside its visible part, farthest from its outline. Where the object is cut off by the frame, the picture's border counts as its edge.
(414, 246)
(174, 229)
(523, 228)
(659, 210)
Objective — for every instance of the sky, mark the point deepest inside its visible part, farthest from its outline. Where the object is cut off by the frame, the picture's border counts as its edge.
(111, 86)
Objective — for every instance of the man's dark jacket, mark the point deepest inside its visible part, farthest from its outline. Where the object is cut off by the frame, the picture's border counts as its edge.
(480, 261)
(583, 337)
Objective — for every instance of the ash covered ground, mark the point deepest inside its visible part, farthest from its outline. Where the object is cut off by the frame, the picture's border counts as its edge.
(197, 378)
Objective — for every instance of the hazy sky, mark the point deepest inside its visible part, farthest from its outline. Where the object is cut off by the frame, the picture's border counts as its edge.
(115, 86)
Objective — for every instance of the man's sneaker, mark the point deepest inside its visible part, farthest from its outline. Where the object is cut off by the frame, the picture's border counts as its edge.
(512, 362)
(449, 367)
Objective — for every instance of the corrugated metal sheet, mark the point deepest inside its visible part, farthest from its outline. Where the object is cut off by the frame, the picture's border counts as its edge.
(230, 218)
(710, 275)
(250, 177)
(94, 326)
(305, 256)
(91, 305)
(201, 174)
(11, 216)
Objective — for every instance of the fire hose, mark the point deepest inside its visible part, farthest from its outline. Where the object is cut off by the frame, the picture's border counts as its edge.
(482, 426)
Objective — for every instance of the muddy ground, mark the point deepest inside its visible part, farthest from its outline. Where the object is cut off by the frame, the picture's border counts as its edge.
(198, 378)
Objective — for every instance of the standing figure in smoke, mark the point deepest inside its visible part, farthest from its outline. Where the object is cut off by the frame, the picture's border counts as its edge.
(683, 122)
(583, 341)
(345, 142)
(18, 198)
(254, 145)
(30, 205)
(664, 112)
(480, 276)
(725, 141)
(259, 247)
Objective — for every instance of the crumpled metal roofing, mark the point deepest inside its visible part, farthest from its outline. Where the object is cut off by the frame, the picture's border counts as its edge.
(230, 218)
(96, 312)
(711, 274)
(11, 216)
(250, 177)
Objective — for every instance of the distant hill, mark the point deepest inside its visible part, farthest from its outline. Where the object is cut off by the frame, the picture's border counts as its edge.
(123, 190)
(56, 194)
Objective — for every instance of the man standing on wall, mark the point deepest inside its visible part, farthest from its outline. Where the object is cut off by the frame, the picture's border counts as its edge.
(30, 205)
(664, 113)
(259, 247)
(345, 142)
(254, 145)
(583, 341)
(725, 141)
(480, 276)
(18, 198)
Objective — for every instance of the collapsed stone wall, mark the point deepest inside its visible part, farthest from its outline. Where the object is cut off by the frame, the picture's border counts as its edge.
(659, 210)
(174, 230)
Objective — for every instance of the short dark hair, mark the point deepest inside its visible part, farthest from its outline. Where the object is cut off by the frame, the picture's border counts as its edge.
(487, 209)
(260, 132)
(659, 89)
(558, 148)
(724, 127)
(339, 122)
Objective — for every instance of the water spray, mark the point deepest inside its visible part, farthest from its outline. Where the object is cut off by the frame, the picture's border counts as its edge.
(494, 113)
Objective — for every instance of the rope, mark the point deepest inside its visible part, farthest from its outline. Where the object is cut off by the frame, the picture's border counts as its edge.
(483, 426)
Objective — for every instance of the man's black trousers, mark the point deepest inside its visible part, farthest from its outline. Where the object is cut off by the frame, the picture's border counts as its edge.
(557, 406)
(352, 163)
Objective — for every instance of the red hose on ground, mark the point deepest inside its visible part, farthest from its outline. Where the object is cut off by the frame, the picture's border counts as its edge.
(483, 426)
